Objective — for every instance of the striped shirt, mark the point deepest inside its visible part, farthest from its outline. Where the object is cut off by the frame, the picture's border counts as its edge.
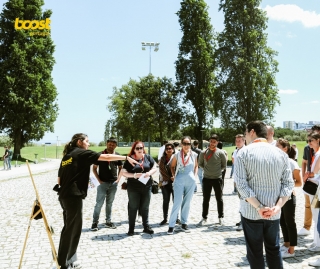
(262, 171)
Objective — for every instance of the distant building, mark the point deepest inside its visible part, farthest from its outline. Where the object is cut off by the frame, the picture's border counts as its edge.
(298, 126)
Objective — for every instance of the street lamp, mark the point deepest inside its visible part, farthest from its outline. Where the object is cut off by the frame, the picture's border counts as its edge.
(150, 45)
(156, 48)
(202, 138)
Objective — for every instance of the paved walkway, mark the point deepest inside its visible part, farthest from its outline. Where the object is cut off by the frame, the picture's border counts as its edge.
(211, 246)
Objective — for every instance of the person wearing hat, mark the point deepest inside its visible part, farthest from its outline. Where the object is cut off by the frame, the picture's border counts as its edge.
(107, 175)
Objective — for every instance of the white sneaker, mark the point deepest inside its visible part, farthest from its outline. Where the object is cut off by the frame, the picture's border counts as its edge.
(310, 245)
(283, 248)
(287, 254)
(315, 263)
(221, 221)
(314, 249)
(303, 232)
(202, 222)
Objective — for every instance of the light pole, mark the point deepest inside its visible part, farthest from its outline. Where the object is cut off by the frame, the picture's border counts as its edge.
(202, 138)
(150, 45)
(156, 48)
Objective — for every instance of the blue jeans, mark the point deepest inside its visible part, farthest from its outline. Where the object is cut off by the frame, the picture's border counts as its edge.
(106, 190)
(139, 199)
(257, 232)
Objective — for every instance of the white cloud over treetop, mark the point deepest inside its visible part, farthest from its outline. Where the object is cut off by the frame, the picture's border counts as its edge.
(288, 91)
(293, 13)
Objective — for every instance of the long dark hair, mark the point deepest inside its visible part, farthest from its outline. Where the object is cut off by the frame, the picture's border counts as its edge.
(290, 150)
(73, 142)
(171, 145)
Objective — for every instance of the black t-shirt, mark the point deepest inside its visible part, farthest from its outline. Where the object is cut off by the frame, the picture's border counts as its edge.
(108, 170)
(307, 155)
(148, 163)
(74, 172)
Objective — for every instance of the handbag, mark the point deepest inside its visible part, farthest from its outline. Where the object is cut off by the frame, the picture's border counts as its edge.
(155, 187)
(310, 187)
(124, 185)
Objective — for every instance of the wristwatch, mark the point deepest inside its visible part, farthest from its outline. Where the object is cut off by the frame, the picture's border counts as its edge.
(259, 207)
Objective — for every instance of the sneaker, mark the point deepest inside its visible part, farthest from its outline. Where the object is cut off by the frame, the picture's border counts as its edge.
(110, 225)
(310, 245)
(138, 219)
(170, 231)
(94, 227)
(147, 229)
(315, 263)
(283, 248)
(230, 177)
(202, 222)
(238, 223)
(314, 249)
(163, 222)
(75, 265)
(221, 221)
(184, 227)
(303, 232)
(178, 222)
(287, 254)
(239, 228)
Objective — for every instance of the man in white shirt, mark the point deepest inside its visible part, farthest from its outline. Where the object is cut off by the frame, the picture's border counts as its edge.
(270, 135)
(264, 182)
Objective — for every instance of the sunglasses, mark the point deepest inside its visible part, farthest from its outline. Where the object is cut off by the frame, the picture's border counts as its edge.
(309, 140)
(168, 148)
(139, 148)
(186, 144)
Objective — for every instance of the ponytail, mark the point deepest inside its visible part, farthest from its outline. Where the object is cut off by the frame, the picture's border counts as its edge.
(74, 142)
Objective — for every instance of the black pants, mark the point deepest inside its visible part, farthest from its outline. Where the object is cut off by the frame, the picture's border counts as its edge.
(71, 232)
(217, 185)
(288, 223)
(167, 191)
(139, 200)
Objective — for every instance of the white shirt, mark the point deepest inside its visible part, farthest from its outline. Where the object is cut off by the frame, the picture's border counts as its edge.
(160, 153)
(262, 171)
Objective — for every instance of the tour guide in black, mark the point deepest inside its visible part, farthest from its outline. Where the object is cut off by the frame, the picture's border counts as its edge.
(73, 178)
(213, 161)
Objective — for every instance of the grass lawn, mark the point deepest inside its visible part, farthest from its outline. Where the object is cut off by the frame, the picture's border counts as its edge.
(52, 152)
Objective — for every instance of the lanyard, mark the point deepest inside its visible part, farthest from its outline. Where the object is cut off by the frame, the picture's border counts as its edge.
(260, 140)
(207, 158)
(182, 157)
(142, 160)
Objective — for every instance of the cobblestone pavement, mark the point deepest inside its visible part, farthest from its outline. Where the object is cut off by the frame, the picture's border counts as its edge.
(211, 246)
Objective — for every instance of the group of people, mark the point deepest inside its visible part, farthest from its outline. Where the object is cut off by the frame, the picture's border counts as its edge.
(265, 175)
(7, 157)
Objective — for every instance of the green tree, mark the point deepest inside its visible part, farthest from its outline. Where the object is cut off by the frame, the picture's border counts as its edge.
(148, 107)
(28, 105)
(195, 65)
(246, 84)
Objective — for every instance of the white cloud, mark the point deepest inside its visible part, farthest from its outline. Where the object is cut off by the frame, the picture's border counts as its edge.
(293, 13)
(290, 35)
(278, 44)
(314, 102)
(288, 91)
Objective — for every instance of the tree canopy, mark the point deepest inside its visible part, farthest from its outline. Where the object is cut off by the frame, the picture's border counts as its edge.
(28, 105)
(246, 84)
(149, 106)
(195, 64)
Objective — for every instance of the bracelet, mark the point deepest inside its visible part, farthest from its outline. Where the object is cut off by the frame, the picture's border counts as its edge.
(134, 175)
(126, 158)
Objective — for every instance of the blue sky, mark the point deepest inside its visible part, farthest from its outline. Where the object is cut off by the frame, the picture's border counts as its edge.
(98, 46)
